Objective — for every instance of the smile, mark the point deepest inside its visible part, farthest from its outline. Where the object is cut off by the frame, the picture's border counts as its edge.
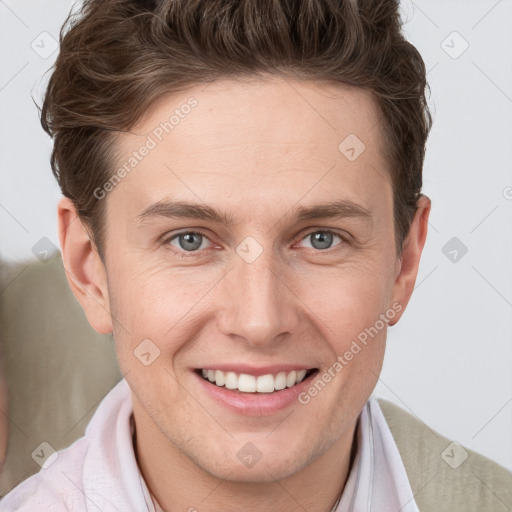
(246, 383)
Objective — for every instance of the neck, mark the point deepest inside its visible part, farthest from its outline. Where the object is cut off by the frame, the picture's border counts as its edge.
(177, 483)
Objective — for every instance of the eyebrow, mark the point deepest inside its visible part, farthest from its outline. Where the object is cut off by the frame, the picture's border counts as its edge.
(185, 210)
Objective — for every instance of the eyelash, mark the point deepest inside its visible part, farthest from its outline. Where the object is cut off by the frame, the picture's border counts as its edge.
(187, 254)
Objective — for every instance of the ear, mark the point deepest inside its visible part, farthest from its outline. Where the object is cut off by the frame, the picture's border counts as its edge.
(84, 268)
(407, 265)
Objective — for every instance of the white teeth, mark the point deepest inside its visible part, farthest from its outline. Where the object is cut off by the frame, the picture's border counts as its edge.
(246, 383)
(231, 380)
(265, 384)
(251, 384)
(219, 378)
(291, 379)
(280, 381)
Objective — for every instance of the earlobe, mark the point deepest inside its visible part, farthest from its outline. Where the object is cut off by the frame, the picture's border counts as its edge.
(411, 255)
(84, 268)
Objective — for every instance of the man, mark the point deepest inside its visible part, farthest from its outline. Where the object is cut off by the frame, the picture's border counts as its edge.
(243, 211)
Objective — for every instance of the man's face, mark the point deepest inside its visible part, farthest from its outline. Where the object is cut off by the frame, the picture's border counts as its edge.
(265, 294)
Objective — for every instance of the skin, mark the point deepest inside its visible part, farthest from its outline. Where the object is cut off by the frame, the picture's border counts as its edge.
(255, 150)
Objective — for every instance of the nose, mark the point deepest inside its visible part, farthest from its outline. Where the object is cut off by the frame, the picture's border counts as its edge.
(257, 303)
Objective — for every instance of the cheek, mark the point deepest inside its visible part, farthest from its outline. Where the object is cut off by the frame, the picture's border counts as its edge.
(348, 300)
(157, 304)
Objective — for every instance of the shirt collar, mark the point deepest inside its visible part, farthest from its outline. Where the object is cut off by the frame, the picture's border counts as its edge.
(377, 480)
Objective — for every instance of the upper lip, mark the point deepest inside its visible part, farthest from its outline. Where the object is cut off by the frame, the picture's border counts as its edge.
(256, 370)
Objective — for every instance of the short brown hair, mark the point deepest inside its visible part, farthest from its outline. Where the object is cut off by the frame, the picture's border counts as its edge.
(118, 56)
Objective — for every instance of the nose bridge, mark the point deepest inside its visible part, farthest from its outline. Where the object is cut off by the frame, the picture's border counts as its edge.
(257, 304)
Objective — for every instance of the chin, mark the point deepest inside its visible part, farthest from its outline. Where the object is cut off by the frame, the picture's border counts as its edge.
(261, 472)
(248, 461)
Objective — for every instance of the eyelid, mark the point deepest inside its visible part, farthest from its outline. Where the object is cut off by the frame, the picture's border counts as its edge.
(344, 238)
(167, 239)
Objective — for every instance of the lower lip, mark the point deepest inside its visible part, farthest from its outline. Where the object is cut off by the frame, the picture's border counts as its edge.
(254, 404)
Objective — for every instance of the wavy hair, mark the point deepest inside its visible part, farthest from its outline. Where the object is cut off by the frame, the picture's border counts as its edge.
(118, 56)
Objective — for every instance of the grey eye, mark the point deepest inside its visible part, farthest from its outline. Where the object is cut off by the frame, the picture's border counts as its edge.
(321, 239)
(189, 241)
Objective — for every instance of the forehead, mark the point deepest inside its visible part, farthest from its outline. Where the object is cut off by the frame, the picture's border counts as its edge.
(254, 138)
(270, 110)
